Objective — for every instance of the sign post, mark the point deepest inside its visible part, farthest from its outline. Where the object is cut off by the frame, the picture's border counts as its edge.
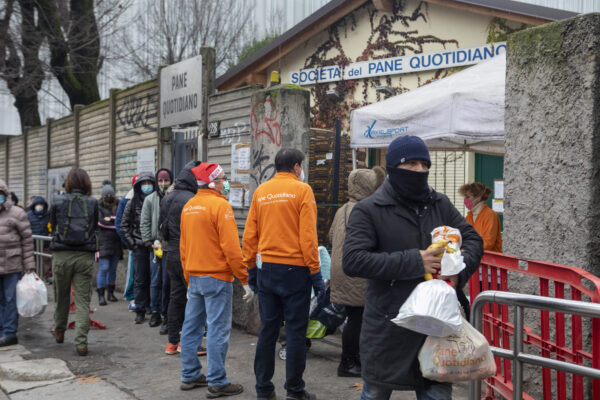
(181, 92)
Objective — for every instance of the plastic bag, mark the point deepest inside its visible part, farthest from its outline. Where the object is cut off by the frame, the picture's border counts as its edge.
(431, 309)
(464, 356)
(32, 296)
(452, 260)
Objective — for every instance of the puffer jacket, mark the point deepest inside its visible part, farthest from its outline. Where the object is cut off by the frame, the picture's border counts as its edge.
(346, 290)
(39, 220)
(151, 213)
(58, 218)
(130, 224)
(172, 205)
(109, 243)
(16, 244)
(383, 240)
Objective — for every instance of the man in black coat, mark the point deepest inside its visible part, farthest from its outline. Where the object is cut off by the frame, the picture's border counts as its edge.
(168, 225)
(385, 241)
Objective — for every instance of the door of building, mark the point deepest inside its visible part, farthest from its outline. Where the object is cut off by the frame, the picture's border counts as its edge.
(185, 147)
(487, 169)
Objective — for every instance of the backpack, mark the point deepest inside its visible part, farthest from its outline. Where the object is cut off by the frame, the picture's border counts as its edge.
(75, 228)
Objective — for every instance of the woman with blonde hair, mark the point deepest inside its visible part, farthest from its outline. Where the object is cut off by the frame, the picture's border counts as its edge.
(485, 221)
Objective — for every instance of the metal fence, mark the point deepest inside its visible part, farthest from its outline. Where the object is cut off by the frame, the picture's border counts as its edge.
(516, 354)
(38, 252)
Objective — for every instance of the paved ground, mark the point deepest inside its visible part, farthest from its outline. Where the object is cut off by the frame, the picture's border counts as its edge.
(127, 361)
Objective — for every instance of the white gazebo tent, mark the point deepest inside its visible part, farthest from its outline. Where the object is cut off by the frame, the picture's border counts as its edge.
(464, 111)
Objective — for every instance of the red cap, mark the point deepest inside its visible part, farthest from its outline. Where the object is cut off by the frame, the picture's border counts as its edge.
(205, 173)
(134, 179)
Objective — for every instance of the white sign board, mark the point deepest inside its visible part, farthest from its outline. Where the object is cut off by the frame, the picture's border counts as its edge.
(498, 189)
(56, 178)
(399, 65)
(236, 197)
(240, 163)
(145, 160)
(181, 92)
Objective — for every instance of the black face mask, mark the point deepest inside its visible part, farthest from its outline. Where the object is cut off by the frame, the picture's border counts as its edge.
(409, 184)
(109, 200)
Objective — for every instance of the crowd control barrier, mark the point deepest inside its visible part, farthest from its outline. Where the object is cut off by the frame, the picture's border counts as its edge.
(554, 281)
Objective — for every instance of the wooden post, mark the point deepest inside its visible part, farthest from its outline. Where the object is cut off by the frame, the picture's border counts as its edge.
(208, 88)
(25, 162)
(112, 136)
(48, 142)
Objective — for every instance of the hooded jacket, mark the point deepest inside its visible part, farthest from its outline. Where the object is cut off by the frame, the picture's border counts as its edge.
(16, 244)
(346, 290)
(39, 220)
(151, 213)
(130, 223)
(120, 209)
(172, 205)
(383, 239)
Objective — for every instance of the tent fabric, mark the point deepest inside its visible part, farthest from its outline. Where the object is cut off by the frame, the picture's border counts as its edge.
(464, 111)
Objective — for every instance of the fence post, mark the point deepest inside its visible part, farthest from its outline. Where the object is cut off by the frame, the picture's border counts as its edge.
(48, 142)
(208, 87)
(25, 163)
(112, 136)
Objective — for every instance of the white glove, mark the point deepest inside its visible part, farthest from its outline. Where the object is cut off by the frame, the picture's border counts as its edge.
(248, 295)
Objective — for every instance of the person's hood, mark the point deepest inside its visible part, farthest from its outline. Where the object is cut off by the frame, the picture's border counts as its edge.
(364, 182)
(4, 190)
(186, 179)
(39, 200)
(144, 176)
(129, 194)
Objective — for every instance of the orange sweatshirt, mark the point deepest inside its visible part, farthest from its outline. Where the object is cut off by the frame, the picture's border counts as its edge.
(282, 224)
(209, 244)
(487, 224)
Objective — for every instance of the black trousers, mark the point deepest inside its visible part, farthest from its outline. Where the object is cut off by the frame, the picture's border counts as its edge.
(351, 333)
(178, 296)
(141, 286)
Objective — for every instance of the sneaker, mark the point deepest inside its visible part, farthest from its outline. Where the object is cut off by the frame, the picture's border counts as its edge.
(171, 349)
(140, 318)
(200, 382)
(155, 319)
(164, 328)
(301, 396)
(231, 389)
(131, 306)
(272, 396)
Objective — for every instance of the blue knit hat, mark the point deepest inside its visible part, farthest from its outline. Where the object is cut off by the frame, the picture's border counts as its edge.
(405, 148)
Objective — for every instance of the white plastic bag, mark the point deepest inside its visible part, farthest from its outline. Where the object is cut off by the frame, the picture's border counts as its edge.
(32, 296)
(431, 309)
(464, 356)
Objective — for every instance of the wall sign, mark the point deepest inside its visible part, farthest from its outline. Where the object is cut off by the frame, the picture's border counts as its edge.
(399, 65)
(181, 92)
(145, 160)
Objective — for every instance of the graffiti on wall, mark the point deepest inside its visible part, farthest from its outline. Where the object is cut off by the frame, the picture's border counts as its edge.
(126, 169)
(135, 114)
(266, 136)
(268, 124)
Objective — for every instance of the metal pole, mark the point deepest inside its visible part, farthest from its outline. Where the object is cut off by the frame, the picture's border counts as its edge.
(353, 159)
(517, 350)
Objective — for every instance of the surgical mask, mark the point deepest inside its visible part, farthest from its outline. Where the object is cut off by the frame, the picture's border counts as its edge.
(411, 185)
(163, 188)
(2, 198)
(147, 189)
(225, 188)
(302, 175)
(39, 208)
(468, 203)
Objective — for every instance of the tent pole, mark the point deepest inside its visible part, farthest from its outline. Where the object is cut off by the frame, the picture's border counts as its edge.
(353, 159)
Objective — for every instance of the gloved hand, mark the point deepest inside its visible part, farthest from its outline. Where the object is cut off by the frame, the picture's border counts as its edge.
(252, 278)
(249, 294)
(318, 286)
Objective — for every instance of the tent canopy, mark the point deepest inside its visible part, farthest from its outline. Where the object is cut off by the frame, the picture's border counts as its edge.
(464, 111)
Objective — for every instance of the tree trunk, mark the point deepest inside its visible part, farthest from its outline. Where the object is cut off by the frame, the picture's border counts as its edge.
(28, 111)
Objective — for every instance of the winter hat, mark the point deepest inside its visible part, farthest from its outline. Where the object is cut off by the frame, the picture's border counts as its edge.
(107, 189)
(134, 179)
(163, 174)
(206, 173)
(405, 148)
(364, 182)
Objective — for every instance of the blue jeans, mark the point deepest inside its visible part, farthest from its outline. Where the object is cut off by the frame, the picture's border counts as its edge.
(129, 279)
(283, 295)
(8, 304)
(210, 301)
(107, 271)
(436, 391)
(155, 283)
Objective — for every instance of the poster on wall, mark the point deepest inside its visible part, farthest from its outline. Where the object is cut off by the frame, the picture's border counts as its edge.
(240, 175)
(145, 160)
(56, 178)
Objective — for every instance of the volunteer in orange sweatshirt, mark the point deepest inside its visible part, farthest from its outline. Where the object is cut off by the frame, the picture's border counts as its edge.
(281, 230)
(210, 257)
(485, 220)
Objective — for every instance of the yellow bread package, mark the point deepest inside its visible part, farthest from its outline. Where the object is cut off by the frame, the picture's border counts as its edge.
(444, 236)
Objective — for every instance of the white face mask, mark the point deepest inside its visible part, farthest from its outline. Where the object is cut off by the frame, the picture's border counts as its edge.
(302, 175)
(39, 208)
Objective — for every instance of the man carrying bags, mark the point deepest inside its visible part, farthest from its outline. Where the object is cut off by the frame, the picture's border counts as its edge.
(281, 229)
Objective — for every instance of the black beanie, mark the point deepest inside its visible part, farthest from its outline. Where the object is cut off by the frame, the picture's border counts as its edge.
(405, 148)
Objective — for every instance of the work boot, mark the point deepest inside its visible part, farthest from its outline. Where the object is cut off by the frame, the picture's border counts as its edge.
(101, 299)
(200, 382)
(155, 319)
(164, 328)
(301, 396)
(111, 293)
(231, 389)
(140, 317)
(348, 367)
(59, 336)
(272, 396)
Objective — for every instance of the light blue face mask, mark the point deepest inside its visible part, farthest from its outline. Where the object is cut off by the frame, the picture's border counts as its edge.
(2, 198)
(225, 188)
(147, 189)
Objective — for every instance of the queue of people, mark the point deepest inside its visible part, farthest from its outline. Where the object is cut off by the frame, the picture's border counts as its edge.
(184, 253)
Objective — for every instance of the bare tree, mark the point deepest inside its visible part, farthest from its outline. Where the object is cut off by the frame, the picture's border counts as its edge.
(169, 31)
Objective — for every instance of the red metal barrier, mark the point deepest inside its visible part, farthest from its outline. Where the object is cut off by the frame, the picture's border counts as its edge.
(493, 275)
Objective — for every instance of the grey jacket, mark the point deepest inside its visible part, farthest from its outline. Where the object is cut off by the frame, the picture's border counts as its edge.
(149, 218)
(16, 244)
